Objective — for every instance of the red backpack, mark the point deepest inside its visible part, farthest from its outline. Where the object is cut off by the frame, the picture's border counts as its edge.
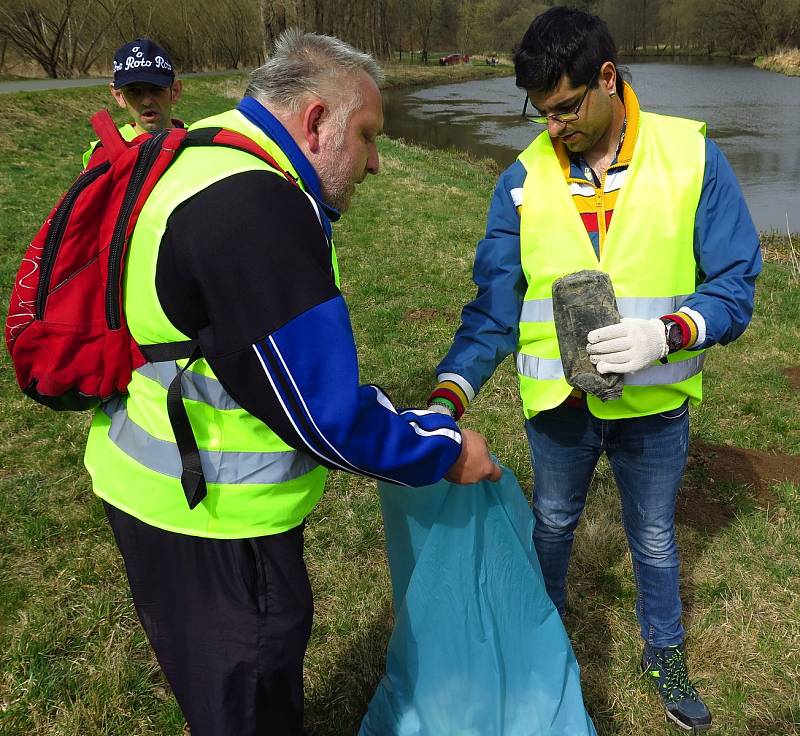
(66, 330)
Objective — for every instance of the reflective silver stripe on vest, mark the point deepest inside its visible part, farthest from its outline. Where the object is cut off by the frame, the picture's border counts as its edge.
(659, 375)
(230, 468)
(549, 369)
(195, 386)
(541, 310)
(542, 369)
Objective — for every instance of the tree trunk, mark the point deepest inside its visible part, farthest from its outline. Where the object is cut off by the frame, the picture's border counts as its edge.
(266, 41)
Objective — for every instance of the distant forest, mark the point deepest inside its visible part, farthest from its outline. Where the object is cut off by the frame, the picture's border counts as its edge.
(66, 38)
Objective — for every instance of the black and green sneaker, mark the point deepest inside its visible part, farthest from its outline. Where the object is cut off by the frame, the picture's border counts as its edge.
(666, 668)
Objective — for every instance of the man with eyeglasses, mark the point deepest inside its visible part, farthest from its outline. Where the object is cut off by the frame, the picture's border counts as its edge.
(650, 201)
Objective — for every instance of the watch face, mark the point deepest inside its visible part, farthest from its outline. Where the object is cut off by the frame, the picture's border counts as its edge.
(674, 336)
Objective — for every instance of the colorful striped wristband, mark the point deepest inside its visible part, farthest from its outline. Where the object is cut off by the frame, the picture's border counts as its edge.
(452, 393)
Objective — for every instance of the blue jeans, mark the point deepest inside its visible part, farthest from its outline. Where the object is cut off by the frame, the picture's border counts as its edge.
(648, 456)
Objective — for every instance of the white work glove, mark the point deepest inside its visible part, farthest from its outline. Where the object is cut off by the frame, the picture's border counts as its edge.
(627, 346)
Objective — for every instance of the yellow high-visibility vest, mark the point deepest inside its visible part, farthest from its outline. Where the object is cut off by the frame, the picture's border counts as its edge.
(648, 253)
(256, 483)
(128, 133)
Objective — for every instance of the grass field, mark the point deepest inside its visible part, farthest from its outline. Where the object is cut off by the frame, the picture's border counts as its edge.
(73, 659)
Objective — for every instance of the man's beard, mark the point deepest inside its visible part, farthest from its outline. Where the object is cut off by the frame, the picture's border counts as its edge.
(336, 177)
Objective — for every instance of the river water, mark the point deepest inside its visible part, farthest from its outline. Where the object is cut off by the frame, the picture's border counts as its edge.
(753, 115)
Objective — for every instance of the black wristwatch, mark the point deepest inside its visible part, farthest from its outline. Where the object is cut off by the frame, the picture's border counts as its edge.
(674, 335)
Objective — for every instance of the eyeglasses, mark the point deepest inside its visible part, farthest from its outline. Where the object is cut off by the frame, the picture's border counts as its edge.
(563, 117)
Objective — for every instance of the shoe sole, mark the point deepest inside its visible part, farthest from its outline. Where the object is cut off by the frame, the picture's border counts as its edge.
(689, 729)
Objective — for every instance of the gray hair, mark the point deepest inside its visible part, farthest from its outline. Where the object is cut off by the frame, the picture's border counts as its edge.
(310, 64)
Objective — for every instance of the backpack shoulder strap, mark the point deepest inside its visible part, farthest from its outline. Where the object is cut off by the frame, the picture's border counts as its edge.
(232, 139)
(192, 477)
(109, 135)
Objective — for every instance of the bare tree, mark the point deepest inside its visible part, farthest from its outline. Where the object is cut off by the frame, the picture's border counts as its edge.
(69, 36)
(758, 26)
(63, 37)
(275, 17)
(129, 19)
(467, 16)
(424, 13)
(3, 49)
(38, 31)
(86, 34)
(235, 40)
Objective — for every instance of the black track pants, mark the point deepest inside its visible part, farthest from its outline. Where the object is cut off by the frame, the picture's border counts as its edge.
(229, 621)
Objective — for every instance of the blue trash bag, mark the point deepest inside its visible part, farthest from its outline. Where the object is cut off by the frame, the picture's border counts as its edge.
(478, 648)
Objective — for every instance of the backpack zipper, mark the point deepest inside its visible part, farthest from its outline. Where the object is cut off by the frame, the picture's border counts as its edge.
(56, 232)
(144, 162)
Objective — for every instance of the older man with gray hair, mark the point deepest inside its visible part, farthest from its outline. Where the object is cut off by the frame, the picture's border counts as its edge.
(237, 255)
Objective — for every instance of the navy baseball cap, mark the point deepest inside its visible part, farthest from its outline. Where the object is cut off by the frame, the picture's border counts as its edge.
(145, 61)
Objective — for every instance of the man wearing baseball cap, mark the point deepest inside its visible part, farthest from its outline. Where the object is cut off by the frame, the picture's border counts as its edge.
(144, 84)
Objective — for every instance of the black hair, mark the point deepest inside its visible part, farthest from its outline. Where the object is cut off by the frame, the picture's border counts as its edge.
(564, 41)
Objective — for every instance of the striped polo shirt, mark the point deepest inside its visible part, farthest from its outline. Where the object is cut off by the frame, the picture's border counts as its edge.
(595, 197)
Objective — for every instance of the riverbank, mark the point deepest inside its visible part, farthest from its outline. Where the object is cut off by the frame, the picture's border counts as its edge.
(784, 62)
(654, 52)
(407, 75)
(397, 76)
(72, 654)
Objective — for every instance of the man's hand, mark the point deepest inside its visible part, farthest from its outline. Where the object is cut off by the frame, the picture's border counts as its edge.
(627, 346)
(474, 463)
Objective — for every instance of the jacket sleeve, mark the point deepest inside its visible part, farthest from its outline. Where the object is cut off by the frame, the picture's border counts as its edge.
(728, 255)
(489, 329)
(245, 266)
(309, 369)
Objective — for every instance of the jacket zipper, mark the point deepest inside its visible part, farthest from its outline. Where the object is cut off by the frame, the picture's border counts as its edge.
(56, 233)
(144, 161)
(601, 214)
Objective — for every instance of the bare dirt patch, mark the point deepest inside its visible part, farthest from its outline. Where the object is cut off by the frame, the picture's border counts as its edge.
(749, 467)
(714, 465)
(793, 374)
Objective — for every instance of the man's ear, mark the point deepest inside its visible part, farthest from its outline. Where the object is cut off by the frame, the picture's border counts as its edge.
(312, 117)
(117, 95)
(177, 89)
(608, 76)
